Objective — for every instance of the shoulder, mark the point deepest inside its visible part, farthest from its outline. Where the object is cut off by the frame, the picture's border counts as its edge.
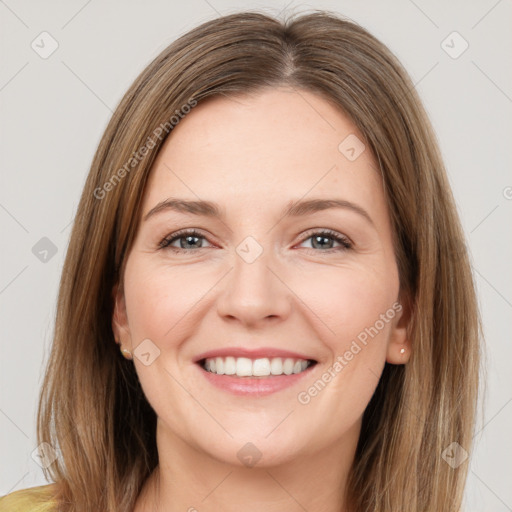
(33, 499)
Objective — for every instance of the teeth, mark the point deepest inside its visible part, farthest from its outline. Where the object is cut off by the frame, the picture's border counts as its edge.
(288, 366)
(219, 366)
(229, 366)
(243, 367)
(263, 367)
(276, 366)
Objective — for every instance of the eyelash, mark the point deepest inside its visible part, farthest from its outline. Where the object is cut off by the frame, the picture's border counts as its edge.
(344, 241)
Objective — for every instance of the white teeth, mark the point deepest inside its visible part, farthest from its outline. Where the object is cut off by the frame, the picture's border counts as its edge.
(229, 365)
(287, 366)
(276, 366)
(219, 366)
(243, 367)
(263, 367)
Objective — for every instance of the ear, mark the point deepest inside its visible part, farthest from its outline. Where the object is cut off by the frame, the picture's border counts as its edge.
(120, 326)
(399, 345)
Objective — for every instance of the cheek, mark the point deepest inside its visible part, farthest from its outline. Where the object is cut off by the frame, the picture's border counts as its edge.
(146, 305)
(354, 306)
(350, 300)
(361, 305)
(362, 317)
(159, 298)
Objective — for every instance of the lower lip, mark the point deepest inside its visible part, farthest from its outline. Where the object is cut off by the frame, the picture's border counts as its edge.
(254, 386)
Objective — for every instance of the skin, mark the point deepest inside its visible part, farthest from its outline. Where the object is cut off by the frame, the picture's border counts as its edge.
(252, 155)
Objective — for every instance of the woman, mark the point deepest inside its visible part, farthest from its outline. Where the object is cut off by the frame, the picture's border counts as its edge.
(286, 278)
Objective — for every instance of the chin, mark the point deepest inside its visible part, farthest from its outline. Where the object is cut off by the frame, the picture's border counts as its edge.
(256, 453)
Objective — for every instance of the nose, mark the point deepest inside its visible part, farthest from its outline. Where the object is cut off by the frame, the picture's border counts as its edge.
(255, 292)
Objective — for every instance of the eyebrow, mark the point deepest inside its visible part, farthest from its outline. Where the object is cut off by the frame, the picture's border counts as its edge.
(294, 208)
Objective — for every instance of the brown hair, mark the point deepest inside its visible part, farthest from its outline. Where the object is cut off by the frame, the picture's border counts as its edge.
(92, 407)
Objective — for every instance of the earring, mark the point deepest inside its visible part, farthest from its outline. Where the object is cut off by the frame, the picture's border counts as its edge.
(402, 351)
(126, 353)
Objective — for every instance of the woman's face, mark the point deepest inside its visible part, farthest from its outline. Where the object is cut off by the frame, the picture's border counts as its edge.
(272, 276)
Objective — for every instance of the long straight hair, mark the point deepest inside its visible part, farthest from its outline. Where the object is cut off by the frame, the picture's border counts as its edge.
(92, 409)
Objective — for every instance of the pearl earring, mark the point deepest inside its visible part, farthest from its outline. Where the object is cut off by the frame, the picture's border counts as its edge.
(126, 353)
(402, 351)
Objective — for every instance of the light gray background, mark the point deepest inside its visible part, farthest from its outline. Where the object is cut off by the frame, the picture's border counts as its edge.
(54, 111)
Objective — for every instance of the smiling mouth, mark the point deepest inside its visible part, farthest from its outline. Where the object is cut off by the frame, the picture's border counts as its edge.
(261, 367)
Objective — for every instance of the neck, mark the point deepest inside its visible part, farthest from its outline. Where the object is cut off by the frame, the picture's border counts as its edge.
(190, 480)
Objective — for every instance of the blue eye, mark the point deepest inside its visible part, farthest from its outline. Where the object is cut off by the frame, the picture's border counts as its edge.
(191, 239)
(319, 239)
(188, 235)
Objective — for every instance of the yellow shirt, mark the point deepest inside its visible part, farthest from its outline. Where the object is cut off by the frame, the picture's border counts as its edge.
(33, 499)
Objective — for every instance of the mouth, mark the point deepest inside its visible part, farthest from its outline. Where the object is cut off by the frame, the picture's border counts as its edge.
(245, 367)
(254, 373)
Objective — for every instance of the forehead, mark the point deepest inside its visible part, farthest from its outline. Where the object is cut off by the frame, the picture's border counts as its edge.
(274, 145)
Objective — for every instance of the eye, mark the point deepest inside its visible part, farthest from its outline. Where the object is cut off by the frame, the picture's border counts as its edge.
(192, 239)
(320, 239)
(189, 239)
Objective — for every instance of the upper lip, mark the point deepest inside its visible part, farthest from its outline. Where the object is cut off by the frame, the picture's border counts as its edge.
(256, 353)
